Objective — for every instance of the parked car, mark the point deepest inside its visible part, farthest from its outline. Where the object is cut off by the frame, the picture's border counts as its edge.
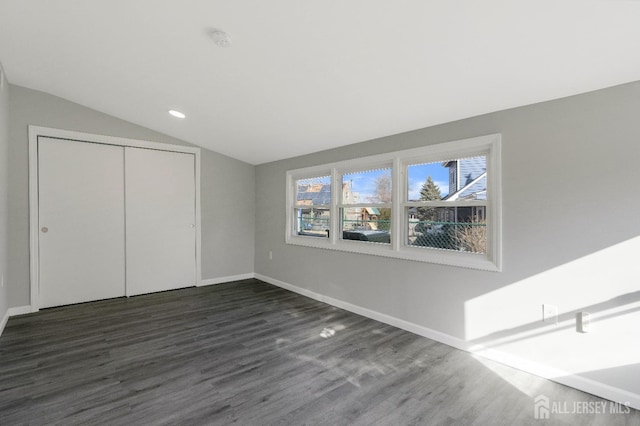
(367, 235)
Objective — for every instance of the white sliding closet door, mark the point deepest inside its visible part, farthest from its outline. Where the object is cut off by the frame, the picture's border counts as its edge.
(81, 222)
(160, 220)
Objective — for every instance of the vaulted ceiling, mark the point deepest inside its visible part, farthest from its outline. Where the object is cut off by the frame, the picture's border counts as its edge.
(302, 76)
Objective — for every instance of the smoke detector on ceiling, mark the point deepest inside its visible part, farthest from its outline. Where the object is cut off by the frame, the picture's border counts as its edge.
(220, 38)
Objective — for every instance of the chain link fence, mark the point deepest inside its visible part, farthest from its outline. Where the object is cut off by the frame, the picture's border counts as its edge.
(458, 236)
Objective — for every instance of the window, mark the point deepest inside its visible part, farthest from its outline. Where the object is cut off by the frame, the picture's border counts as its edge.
(365, 210)
(312, 208)
(439, 203)
(447, 203)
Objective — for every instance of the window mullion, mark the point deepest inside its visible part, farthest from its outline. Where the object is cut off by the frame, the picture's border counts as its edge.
(397, 191)
(336, 198)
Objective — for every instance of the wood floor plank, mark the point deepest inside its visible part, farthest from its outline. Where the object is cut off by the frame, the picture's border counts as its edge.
(249, 353)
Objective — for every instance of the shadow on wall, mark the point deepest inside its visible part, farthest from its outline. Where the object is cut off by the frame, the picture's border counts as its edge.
(612, 308)
(603, 283)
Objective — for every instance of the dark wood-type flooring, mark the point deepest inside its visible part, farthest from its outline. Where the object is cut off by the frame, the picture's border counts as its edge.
(249, 353)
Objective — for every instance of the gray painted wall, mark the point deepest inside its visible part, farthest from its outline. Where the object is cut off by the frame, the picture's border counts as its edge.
(571, 234)
(4, 191)
(227, 187)
(571, 238)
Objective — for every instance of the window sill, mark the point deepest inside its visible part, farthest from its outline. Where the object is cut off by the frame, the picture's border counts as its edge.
(427, 255)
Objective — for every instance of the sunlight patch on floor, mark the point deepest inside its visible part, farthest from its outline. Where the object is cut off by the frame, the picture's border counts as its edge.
(524, 382)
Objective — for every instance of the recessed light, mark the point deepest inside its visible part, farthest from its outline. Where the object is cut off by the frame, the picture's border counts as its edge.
(176, 114)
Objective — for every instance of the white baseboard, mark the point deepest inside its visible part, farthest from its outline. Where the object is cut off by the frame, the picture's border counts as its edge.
(212, 281)
(20, 310)
(569, 379)
(3, 322)
(12, 312)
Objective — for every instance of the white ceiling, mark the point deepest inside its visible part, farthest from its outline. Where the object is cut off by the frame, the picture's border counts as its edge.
(305, 76)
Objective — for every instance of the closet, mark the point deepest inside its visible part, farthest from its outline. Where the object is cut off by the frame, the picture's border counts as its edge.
(113, 221)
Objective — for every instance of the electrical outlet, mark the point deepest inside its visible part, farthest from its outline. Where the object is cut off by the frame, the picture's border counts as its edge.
(583, 322)
(270, 255)
(550, 314)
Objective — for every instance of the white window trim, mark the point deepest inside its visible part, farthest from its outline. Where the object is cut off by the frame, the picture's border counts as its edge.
(489, 145)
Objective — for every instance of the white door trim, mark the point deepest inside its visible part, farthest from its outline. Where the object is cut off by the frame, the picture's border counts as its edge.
(37, 131)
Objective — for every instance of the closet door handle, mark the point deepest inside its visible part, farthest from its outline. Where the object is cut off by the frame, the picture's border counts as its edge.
(193, 226)
(44, 229)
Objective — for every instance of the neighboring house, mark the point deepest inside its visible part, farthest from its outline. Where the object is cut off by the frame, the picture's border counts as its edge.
(370, 217)
(316, 219)
(313, 221)
(370, 213)
(314, 194)
(447, 227)
(348, 196)
(318, 193)
(467, 181)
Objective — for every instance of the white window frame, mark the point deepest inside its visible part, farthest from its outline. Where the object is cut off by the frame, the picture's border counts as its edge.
(489, 146)
(297, 206)
(341, 205)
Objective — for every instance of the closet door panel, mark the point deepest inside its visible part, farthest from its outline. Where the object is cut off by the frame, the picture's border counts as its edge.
(160, 220)
(81, 222)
